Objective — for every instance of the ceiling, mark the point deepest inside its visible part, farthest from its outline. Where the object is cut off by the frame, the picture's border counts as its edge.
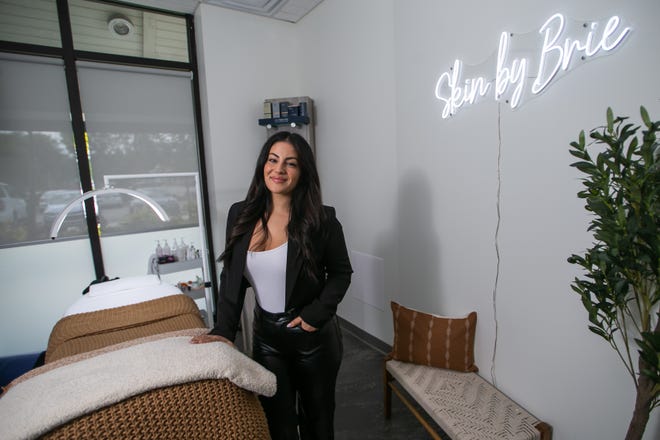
(287, 10)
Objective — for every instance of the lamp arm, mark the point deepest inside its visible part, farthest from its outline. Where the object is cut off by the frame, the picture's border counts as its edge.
(57, 224)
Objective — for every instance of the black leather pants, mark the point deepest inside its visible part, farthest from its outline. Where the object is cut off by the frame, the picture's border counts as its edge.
(306, 366)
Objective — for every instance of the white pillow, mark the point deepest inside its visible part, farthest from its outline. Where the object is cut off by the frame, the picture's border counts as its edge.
(121, 284)
(119, 298)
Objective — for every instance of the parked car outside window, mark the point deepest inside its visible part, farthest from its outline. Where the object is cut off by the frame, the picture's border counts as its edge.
(52, 203)
(12, 209)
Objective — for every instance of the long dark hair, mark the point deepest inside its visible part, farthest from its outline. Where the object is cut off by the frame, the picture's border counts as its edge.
(307, 212)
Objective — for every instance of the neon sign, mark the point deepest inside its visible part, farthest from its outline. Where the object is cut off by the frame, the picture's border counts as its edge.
(557, 55)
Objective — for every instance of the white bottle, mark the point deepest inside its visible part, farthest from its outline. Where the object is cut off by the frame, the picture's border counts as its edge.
(175, 250)
(166, 250)
(182, 251)
(159, 249)
(191, 252)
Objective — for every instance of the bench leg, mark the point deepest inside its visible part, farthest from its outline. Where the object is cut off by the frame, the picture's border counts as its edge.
(545, 430)
(417, 415)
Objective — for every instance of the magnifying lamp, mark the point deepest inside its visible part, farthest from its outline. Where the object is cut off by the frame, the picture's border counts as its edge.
(57, 224)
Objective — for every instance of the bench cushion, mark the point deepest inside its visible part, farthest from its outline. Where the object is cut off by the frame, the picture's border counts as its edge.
(465, 405)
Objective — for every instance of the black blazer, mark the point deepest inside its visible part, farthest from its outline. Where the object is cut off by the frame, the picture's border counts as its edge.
(315, 300)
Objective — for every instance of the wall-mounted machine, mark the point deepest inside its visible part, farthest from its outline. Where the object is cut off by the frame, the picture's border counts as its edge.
(290, 114)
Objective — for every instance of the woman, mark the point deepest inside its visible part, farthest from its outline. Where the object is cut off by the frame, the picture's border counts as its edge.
(290, 249)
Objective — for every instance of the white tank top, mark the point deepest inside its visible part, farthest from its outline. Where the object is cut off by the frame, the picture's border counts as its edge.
(266, 272)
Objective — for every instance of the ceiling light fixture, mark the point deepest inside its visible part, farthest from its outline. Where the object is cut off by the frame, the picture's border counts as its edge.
(120, 26)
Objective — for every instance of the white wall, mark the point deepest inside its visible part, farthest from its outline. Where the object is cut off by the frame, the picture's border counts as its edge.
(421, 193)
(243, 59)
(349, 71)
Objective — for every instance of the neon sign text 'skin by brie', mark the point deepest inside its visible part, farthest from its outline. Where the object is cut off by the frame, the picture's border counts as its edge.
(555, 56)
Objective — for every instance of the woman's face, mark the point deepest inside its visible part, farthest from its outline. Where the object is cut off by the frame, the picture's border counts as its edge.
(281, 172)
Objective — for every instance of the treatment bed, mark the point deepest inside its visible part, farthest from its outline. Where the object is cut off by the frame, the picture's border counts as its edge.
(129, 371)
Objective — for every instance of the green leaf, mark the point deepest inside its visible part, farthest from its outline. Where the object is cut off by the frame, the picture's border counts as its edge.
(632, 148)
(579, 154)
(645, 117)
(600, 332)
(581, 140)
(585, 167)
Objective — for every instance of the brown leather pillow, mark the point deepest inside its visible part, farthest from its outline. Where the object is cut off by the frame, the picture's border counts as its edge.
(432, 340)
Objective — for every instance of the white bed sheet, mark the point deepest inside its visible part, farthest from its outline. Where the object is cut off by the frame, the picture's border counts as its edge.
(122, 292)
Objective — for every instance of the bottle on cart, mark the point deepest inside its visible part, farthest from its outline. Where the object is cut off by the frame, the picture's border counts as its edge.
(182, 251)
(159, 249)
(166, 249)
(175, 251)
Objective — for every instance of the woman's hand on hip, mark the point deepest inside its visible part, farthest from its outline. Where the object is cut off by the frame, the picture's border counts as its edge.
(299, 322)
(203, 339)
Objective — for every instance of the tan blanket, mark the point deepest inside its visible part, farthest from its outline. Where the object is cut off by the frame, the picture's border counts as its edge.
(203, 410)
(34, 406)
(85, 332)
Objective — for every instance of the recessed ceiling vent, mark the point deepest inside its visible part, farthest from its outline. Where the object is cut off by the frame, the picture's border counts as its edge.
(287, 10)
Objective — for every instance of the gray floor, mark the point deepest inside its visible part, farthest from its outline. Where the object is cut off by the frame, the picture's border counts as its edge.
(359, 414)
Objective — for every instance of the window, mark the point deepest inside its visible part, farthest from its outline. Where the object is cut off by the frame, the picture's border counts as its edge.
(37, 159)
(141, 122)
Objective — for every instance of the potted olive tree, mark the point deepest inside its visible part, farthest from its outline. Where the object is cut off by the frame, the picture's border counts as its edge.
(619, 288)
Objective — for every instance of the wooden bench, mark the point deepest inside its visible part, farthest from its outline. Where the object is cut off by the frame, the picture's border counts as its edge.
(464, 405)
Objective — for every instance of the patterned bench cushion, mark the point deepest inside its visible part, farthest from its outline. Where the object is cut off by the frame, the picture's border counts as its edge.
(465, 405)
